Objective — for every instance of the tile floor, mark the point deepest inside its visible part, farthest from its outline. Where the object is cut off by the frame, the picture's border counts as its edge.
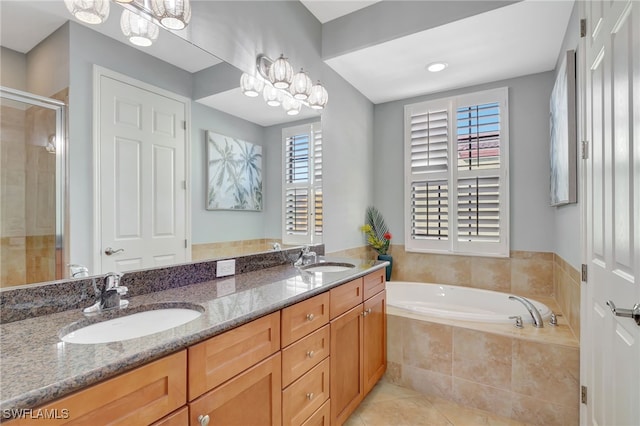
(392, 405)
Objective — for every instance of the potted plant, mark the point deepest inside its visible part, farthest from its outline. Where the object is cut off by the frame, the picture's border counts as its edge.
(378, 236)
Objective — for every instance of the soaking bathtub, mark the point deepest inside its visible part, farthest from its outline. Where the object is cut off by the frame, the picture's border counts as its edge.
(462, 303)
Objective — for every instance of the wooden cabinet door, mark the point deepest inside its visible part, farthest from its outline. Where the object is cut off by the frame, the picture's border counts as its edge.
(345, 297)
(137, 397)
(373, 283)
(304, 317)
(218, 359)
(375, 339)
(251, 398)
(347, 382)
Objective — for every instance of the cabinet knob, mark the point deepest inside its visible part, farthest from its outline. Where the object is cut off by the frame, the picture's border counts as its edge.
(310, 317)
(310, 396)
(310, 354)
(203, 420)
(366, 312)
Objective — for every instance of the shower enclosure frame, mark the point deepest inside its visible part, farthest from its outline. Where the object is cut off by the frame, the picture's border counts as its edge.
(62, 183)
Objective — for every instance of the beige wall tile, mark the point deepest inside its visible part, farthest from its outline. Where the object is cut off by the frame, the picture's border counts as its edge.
(491, 273)
(395, 325)
(548, 372)
(427, 382)
(487, 398)
(532, 277)
(427, 346)
(482, 358)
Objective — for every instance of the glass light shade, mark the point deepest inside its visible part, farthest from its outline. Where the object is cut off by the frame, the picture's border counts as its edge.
(137, 29)
(250, 85)
(319, 97)
(124, 1)
(172, 14)
(301, 85)
(290, 105)
(89, 11)
(272, 96)
(281, 73)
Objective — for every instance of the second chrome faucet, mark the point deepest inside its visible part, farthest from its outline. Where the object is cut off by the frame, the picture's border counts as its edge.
(109, 295)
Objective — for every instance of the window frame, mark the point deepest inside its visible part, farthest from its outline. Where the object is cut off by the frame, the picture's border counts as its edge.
(452, 245)
(313, 185)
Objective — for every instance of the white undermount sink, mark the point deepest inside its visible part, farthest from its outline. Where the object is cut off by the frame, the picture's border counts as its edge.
(328, 267)
(130, 326)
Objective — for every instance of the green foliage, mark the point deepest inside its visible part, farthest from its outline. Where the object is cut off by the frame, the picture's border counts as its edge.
(376, 230)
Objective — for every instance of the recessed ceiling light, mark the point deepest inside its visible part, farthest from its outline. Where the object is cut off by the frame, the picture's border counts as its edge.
(437, 66)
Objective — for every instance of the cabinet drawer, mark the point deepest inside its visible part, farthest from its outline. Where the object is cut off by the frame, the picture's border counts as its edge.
(179, 418)
(251, 398)
(345, 297)
(373, 283)
(298, 358)
(302, 318)
(218, 359)
(305, 395)
(140, 396)
(322, 416)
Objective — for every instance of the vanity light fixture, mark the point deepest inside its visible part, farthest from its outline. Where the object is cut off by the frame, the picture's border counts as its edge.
(301, 85)
(251, 85)
(281, 73)
(172, 14)
(273, 75)
(89, 11)
(139, 30)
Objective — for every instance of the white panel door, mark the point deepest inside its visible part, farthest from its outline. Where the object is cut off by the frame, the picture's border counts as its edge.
(611, 344)
(142, 177)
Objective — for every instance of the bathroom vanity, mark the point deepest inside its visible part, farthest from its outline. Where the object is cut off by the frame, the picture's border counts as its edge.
(287, 347)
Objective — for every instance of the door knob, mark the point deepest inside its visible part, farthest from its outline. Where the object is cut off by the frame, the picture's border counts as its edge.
(109, 251)
(626, 313)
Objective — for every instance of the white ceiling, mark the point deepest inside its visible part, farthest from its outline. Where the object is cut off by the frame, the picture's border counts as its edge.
(514, 40)
(328, 10)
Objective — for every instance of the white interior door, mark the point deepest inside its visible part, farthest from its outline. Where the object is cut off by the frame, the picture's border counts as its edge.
(142, 177)
(611, 344)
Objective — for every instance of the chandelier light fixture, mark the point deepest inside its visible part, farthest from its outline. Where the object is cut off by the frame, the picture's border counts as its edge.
(139, 30)
(280, 86)
(89, 11)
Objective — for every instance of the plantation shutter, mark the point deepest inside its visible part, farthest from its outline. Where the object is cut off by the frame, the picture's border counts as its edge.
(456, 158)
(302, 188)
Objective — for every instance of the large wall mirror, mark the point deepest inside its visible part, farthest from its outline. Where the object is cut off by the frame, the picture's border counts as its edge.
(48, 54)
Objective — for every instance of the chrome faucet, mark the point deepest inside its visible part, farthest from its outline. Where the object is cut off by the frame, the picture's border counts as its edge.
(305, 256)
(109, 295)
(535, 314)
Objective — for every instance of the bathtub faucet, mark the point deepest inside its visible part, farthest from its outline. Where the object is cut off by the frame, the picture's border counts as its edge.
(535, 314)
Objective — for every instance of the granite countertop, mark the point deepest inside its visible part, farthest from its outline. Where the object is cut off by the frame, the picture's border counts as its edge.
(37, 367)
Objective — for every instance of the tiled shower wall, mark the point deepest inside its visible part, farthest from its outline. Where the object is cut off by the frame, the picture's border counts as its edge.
(567, 281)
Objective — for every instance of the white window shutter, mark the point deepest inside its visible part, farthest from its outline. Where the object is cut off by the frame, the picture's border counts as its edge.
(456, 163)
(302, 185)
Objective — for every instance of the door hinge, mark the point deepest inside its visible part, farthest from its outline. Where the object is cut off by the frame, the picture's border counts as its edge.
(184, 184)
(583, 28)
(583, 394)
(583, 278)
(584, 151)
(186, 245)
(184, 125)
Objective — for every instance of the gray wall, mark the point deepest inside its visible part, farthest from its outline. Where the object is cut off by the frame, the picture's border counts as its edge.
(48, 64)
(568, 241)
(14, 69)
(532, 219)
(218, 226)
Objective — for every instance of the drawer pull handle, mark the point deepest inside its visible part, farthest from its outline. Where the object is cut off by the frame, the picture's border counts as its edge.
(310, 317)
(310, 354)
(203, 420)
(366, 312)
(310, 396)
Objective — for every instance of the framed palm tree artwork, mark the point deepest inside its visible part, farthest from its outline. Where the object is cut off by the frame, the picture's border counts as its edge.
(234, 173)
